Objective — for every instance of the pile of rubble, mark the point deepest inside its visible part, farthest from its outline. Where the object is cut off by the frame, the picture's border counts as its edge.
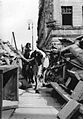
(8, 54)
(68, 78)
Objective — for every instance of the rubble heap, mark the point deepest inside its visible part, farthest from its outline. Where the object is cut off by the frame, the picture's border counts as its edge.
(8, 54)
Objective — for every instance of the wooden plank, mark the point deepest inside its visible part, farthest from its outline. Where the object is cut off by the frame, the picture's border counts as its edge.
(8, 87)
(10, 84)
(81, 109)
(68, 110)
(78, 91)
(17, 84)
(1, 94)
(7, 104)
(60, 91)
(14, 40)
(7, 114)
(6, 68)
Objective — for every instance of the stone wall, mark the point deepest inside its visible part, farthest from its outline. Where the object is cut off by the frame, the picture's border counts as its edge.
(45, 15)
(77, 11)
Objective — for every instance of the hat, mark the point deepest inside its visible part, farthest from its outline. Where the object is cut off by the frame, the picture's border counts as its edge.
(28, 45)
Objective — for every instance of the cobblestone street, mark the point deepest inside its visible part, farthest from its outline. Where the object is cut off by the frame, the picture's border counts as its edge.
(34, 106)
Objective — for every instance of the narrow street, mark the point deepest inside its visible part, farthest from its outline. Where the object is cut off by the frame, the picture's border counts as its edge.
(41, 59)
(34, 106)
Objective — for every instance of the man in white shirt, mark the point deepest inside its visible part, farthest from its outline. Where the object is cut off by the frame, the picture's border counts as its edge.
(45, 65)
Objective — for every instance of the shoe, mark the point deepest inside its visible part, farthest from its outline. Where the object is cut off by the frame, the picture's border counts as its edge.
(36, 91)
(43, 85)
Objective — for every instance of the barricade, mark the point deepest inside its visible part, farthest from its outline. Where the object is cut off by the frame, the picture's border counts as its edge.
(8, 87)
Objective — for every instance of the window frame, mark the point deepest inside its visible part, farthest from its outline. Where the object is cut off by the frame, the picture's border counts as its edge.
(67, 11)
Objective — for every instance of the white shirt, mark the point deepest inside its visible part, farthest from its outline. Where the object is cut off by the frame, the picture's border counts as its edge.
(46, 62)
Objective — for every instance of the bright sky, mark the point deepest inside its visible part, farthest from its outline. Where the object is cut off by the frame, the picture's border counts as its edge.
(15, 15)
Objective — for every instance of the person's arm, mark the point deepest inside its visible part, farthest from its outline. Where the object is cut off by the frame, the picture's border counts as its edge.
(65, 48)
(24, 59)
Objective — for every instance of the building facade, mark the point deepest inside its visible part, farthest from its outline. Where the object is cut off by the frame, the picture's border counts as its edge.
(68, 17)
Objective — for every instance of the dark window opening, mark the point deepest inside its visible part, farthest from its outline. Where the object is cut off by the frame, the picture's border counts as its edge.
(66, 15)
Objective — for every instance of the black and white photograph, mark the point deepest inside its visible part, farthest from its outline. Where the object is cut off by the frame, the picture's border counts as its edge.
(41, 59)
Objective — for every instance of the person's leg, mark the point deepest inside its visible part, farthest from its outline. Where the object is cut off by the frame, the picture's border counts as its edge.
(37, 79)
(35, 72)
(35, 82)
(37, 85)
(31, 75)
(43, 81)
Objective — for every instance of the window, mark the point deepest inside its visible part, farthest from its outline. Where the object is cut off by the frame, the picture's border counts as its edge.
(66, 15)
